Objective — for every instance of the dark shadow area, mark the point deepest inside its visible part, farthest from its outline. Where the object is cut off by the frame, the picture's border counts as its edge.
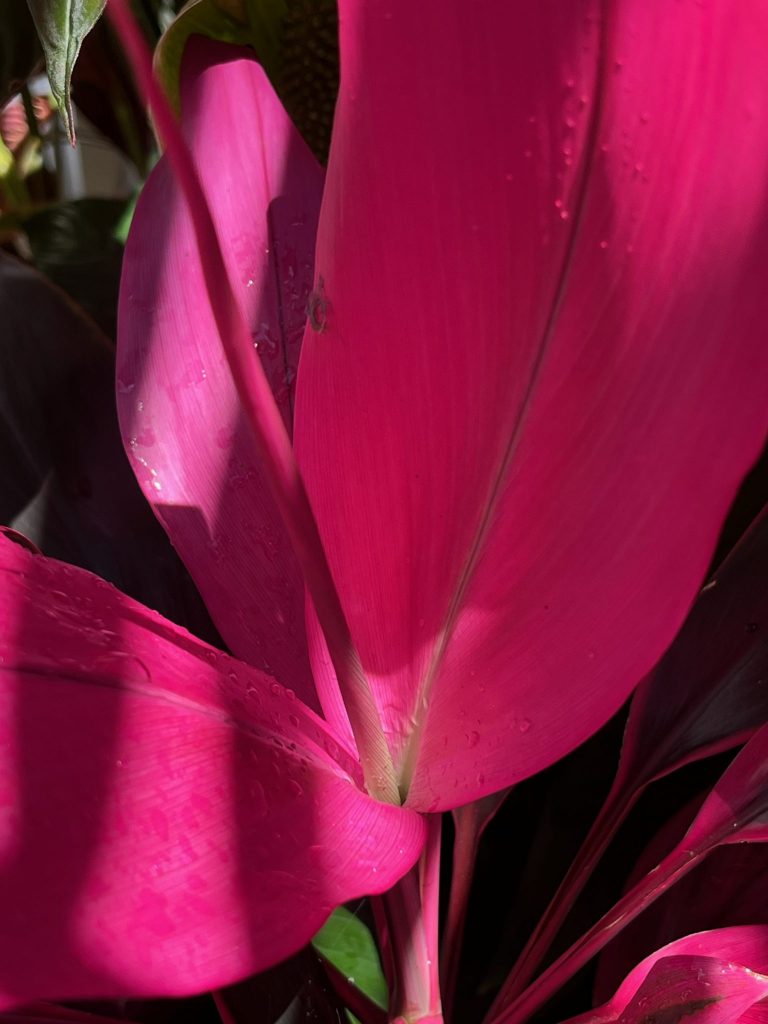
(66, 483)
(56, 771)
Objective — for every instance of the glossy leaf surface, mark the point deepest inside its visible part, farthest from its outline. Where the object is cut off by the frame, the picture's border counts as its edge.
(171, 820)
(347, 943)
(713, 976)
(187, 439)
(708, 693)
(521, 359)
(727, 889)
(736, 811)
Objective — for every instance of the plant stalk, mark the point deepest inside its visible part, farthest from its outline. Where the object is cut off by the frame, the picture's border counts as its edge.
(264, 417)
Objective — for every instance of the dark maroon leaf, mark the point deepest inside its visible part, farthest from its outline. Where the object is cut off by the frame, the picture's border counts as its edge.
(65, 483)
(710, 691)
(735, 811)
(707, 694)
(291, 993)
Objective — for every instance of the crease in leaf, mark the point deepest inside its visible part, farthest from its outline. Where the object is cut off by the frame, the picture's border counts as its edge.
(721, 969)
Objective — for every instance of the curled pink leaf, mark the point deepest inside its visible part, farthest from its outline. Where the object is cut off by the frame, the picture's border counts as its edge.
(171, 820)
(713, 976)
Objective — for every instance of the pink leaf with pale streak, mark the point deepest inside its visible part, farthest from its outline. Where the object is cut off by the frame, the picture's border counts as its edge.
(735, 811)
(542, 371)
(727, 889)
(171, 820)
(709, 976)
(706, 694)
(192, 451)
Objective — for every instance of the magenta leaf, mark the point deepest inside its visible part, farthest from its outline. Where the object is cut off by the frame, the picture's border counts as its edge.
(185, 433)
(709, 692)
(542, 311)
(266, 422)
(709, 976)
(171, 820)
(727, 889)
(736, 811)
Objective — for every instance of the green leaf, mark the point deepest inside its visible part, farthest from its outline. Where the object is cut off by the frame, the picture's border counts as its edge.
(295, 41)
(347, 943)
(75, 245)
(62, 25)
(197, 17)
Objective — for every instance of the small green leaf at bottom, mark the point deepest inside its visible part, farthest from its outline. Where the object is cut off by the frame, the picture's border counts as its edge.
(346, 942)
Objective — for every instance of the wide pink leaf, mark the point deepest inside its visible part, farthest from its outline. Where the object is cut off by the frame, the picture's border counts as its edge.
(535, 369)
(192, 451)
(713, 976)
(171, 819)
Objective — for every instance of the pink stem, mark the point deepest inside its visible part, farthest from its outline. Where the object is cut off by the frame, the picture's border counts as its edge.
(411, 912)
(618, 804)
(222, 1009)
(266, 422)
(671, 870)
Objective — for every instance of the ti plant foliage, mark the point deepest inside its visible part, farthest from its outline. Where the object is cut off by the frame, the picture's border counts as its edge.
(444, 429)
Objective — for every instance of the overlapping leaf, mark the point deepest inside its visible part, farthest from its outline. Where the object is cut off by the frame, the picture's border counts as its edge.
(171, 820)
(187, 439)
(708, 693)
(527, 341)
(714, 976)
(727, 889)
(736, 811)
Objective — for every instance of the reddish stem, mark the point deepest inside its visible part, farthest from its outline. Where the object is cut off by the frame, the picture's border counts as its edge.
(410, 936)
(617, 806)
(267, 424)
(671, 870)
(470, 822)
(221, 1008)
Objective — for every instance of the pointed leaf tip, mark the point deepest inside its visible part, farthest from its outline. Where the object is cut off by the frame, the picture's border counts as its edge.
(62, 25)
